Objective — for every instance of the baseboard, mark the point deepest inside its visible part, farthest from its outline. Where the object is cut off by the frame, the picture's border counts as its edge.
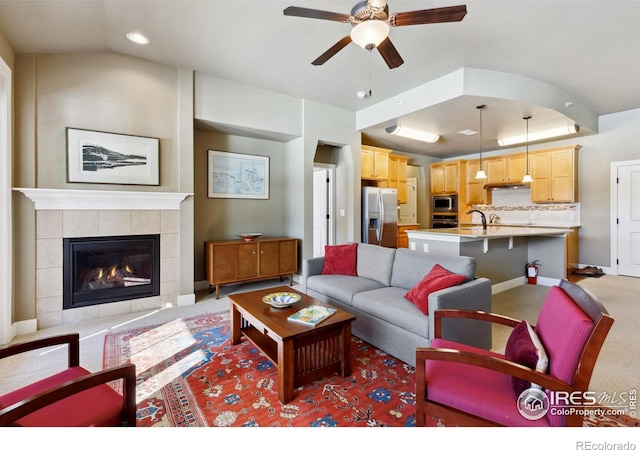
(515, 282)
(506, 285)
(200, 285)
(187, 299)
(25, 327)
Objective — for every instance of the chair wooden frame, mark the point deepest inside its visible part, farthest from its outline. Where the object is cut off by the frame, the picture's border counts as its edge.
(581, 379)
(125, 372)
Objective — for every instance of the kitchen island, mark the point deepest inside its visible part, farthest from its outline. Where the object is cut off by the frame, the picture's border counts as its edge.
(501, 252)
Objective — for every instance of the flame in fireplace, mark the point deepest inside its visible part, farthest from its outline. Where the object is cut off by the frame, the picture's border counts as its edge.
(114, 276)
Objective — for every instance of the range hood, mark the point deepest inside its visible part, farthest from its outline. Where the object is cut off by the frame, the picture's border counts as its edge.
(506, 185)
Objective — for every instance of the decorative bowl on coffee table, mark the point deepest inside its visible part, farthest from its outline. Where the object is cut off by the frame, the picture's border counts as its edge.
(281, 299)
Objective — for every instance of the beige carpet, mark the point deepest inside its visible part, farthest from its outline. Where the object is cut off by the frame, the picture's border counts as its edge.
(616, 370)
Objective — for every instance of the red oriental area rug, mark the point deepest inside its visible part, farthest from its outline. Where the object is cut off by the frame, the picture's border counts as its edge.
(190, 376)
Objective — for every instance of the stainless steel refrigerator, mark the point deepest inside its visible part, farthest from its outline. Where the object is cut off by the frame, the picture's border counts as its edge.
(380, 216)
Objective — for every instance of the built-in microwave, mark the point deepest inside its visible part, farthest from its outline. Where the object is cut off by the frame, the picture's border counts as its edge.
(444, 203)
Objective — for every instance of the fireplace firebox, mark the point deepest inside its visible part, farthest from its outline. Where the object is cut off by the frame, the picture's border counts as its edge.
(110, 269)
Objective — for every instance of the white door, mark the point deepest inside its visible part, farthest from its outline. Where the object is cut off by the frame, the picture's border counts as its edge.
(628, 217)
(322, 208)
(408, 212)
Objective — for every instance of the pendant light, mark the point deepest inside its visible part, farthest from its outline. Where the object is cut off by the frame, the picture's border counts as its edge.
(480, 174)
(527, 178)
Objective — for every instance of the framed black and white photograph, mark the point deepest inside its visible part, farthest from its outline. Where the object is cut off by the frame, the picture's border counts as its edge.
(100, 157)
(235, 175)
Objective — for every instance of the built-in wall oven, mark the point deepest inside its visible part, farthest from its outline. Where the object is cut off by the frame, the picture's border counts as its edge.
(444, 221)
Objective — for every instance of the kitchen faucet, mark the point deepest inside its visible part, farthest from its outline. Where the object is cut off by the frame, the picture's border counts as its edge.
(482, 216)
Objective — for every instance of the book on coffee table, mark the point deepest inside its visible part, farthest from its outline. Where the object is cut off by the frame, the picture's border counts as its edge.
(311, 315)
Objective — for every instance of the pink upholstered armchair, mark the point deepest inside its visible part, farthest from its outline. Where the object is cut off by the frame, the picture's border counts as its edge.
(466, 386)
(73, 397)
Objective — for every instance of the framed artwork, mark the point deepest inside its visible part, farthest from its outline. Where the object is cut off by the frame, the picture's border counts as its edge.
(99, 157)
(234, 175)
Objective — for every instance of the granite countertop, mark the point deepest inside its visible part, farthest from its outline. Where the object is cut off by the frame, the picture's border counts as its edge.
(492, 231)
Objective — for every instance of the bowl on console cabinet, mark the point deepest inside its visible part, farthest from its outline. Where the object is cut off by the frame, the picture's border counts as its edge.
(248, 237)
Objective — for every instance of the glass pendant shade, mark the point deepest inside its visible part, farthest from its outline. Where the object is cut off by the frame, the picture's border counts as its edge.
(481, 175)
(370, 34)
(527, 178)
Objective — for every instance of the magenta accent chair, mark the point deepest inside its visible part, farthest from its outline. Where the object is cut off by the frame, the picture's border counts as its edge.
(73, 397)
(466, 386)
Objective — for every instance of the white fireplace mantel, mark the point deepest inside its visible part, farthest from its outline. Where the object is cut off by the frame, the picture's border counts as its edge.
(67, 199)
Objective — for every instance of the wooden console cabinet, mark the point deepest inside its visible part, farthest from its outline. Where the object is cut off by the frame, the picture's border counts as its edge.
(236, 261)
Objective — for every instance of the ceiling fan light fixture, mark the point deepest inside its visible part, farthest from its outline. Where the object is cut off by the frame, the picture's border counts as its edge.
(539, 135)
(412, 134)
(370, 33)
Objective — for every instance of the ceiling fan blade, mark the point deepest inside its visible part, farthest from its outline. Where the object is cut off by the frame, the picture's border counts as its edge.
(390, 54)
(426, 16)
(316, 14)
(342, 43)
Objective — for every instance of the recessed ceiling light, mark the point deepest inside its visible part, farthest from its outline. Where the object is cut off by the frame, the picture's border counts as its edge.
(468, 132)
(138, 38)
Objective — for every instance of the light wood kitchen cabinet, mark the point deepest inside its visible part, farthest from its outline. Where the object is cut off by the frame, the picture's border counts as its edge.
(398, 176)
(236, 260)
(573, 249)
(506, 169)
(476, 193)
(374, 163)
(445, 177)
(403, 239)
(555, 175)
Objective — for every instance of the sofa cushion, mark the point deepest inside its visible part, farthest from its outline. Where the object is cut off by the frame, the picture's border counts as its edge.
(438, 278)
(341, 287)
(340, 259)
(524, 347)
(389, 304)
(411, 266)
(375, 262)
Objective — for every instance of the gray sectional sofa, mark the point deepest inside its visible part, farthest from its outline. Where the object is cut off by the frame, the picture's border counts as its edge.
(384, 318)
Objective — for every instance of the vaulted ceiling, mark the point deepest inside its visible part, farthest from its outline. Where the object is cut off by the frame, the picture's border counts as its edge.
(584, 54)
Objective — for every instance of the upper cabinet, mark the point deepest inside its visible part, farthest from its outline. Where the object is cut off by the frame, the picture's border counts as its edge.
(554, 172)
(505, 169)
(555, 175)
(445, 177)
(374, 163)
(476, 193)
(398, 175)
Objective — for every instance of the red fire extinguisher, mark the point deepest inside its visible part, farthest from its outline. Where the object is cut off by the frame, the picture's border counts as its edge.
(532, 272)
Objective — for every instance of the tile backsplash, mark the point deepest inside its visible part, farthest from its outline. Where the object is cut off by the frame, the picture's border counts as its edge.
(515, 207)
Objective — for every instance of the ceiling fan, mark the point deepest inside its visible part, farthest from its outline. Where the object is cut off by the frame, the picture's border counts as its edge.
(371, 21)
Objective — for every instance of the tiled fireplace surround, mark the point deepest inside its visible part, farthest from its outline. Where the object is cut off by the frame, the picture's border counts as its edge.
(53, 223)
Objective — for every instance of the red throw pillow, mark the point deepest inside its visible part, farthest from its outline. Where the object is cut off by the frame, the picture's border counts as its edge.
(438, 278)
(524, 347)
(340, 259)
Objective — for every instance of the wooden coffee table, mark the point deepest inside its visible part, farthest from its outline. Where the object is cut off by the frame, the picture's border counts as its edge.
(302, 353)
